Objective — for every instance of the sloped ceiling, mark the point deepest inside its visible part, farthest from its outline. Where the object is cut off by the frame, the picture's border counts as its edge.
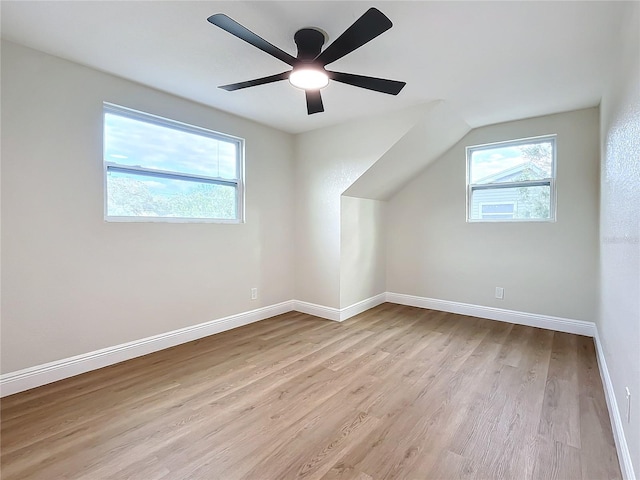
(491, 61)
(438, 130)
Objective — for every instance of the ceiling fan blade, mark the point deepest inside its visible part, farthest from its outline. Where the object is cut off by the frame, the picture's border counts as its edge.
(371, 24)
(234, 28)
(314, 101)
(392, 87)
(258, 81)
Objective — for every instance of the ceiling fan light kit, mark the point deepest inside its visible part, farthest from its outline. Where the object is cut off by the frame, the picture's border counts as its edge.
(308, 78)
(308, 72)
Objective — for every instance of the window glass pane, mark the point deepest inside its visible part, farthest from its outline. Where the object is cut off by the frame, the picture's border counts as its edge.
(527, 203)
(131, 195)
(512, 163)
(128, 141)
(227, 155)
(498, 208)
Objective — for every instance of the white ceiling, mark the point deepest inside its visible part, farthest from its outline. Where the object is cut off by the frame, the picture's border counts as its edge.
(492, 61)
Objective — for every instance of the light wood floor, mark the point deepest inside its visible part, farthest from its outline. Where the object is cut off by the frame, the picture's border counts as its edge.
(396, 392)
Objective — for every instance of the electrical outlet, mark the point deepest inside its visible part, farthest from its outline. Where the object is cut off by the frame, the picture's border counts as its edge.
(254, 294)
(628, 404)
(500, 293)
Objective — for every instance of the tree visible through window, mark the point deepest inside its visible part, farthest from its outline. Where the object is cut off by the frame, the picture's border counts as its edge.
(161, 169)
(512, 181)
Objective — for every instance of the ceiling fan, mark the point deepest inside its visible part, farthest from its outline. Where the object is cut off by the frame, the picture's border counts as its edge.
(308, 70)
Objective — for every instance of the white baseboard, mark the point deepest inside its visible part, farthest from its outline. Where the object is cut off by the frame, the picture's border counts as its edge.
(330, 313)
(339, 314)
(32, 377)
(39, 375)
(578, 327)
(362, 306)
(624, 457)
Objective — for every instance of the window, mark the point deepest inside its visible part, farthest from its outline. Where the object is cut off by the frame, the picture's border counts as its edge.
(162, 170)
(512, 181)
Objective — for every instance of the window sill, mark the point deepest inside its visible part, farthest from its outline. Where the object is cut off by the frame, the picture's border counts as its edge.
(169, 220)
(513, 220)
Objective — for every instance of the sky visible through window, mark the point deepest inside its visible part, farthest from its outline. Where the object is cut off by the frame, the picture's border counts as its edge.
(132, 142)
(169, 171)
(490, 161)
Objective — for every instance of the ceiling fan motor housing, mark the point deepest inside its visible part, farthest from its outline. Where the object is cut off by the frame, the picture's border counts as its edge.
(309, 42)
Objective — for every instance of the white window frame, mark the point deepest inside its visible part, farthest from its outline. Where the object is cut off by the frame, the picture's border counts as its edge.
(238, 183)
(508, 202)
(550, 182)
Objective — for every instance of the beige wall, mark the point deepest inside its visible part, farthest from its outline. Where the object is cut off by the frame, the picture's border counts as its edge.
(362, 250)
(619, 319)
(545, 268)
(72, 283)
(328, 161)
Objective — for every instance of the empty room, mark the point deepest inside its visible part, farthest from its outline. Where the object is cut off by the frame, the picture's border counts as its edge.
(322, 240)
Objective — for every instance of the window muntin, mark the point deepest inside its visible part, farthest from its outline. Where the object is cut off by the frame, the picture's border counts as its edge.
(162, 170)
(519, 172)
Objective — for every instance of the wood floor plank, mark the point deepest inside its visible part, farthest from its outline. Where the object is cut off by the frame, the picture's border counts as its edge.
(598, 451)
(560, 418)
(556, 461)
(395, 392)
(197, 400)
(447, 464)
(514, 345)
